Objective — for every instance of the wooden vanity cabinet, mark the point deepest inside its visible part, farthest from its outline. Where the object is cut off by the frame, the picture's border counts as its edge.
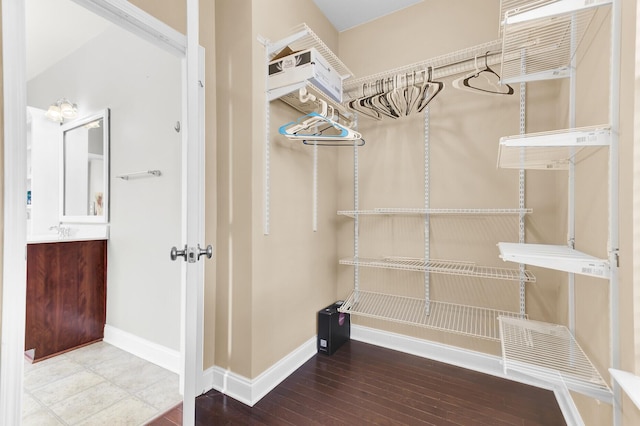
(66, 296)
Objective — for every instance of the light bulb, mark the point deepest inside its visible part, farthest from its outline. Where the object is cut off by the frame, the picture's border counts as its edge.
(54, 113)
(68, 110)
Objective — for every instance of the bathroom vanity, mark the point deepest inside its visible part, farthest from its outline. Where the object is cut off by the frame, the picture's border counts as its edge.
(68, 230)
(66, 296)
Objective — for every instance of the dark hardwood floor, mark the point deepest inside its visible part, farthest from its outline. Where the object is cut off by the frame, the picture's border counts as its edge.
(365, 384)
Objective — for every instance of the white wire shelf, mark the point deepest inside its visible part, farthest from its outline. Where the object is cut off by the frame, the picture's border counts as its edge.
(561, 258)
(459, 319)
(544, 35)
(422, 212)
(548, 350)
(448, 267)
(301, 37)
(454, 63)
(550, 150)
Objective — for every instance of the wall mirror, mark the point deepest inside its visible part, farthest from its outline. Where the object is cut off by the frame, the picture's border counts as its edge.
(84, 167)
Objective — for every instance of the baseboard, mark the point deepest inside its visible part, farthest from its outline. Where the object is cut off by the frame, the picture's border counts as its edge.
(472, 360)
(149, 351)
(250, 391)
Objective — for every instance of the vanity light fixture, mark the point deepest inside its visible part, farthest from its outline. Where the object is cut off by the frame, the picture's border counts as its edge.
(63, 109)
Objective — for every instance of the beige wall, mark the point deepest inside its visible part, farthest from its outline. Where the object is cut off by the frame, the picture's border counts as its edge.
(269, 287)
(294, 267)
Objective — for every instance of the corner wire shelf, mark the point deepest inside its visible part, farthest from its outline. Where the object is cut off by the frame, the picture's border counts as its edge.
(545, 34)
(454, 63)
(449, 317)
(422, 212)
(554, 150)
(561, 258)
(546, 350)
(301, 37)
(448, 267)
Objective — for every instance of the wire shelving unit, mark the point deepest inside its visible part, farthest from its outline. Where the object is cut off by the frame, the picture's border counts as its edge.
(298, 38)
(547, 33)
(550, 150)
(548, 350)
(302, 37)
(458, 62)
(421, 212)
(448, 267)
(449, 317)
(561, 258)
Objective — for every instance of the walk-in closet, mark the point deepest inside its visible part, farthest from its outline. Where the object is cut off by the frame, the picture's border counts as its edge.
(476, 186)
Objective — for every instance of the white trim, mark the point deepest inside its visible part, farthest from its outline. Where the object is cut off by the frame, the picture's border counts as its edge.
(193, 176)
(250, 391)
(142, 348)
(123, 14)
(14, 281)
(629, 382)
(139, 22)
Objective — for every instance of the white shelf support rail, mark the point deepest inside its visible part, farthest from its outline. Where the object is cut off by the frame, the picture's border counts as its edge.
(614, 117)
(571, 204)
(315, 187)
(427, 289)
(266, 177)
(356, 207)
(521, 184)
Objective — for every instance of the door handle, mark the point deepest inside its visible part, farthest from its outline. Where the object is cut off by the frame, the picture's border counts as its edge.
(208, 251)
(175, 253)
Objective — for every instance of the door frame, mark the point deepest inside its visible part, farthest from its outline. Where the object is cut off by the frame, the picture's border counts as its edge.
(128, 16)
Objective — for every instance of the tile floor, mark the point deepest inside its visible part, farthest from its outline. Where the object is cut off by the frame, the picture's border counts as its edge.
(98, 384)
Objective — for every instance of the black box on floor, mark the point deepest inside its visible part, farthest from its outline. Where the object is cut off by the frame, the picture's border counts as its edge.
(334, 328)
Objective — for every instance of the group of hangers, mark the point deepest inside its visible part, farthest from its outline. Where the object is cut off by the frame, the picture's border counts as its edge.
(397, 96)
(392, 97)
(402, 94)
(320, 128)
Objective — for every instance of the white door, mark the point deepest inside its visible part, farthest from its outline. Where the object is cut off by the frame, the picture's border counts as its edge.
(14, 272)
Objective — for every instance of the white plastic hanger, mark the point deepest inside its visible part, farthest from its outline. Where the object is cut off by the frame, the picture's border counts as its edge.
(483, 81)
(318, 126)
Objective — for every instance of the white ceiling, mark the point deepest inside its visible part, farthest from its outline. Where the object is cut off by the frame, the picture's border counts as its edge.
(55, 28)
(346, 14)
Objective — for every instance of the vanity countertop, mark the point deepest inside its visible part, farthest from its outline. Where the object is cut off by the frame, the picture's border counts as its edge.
(76, 232)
